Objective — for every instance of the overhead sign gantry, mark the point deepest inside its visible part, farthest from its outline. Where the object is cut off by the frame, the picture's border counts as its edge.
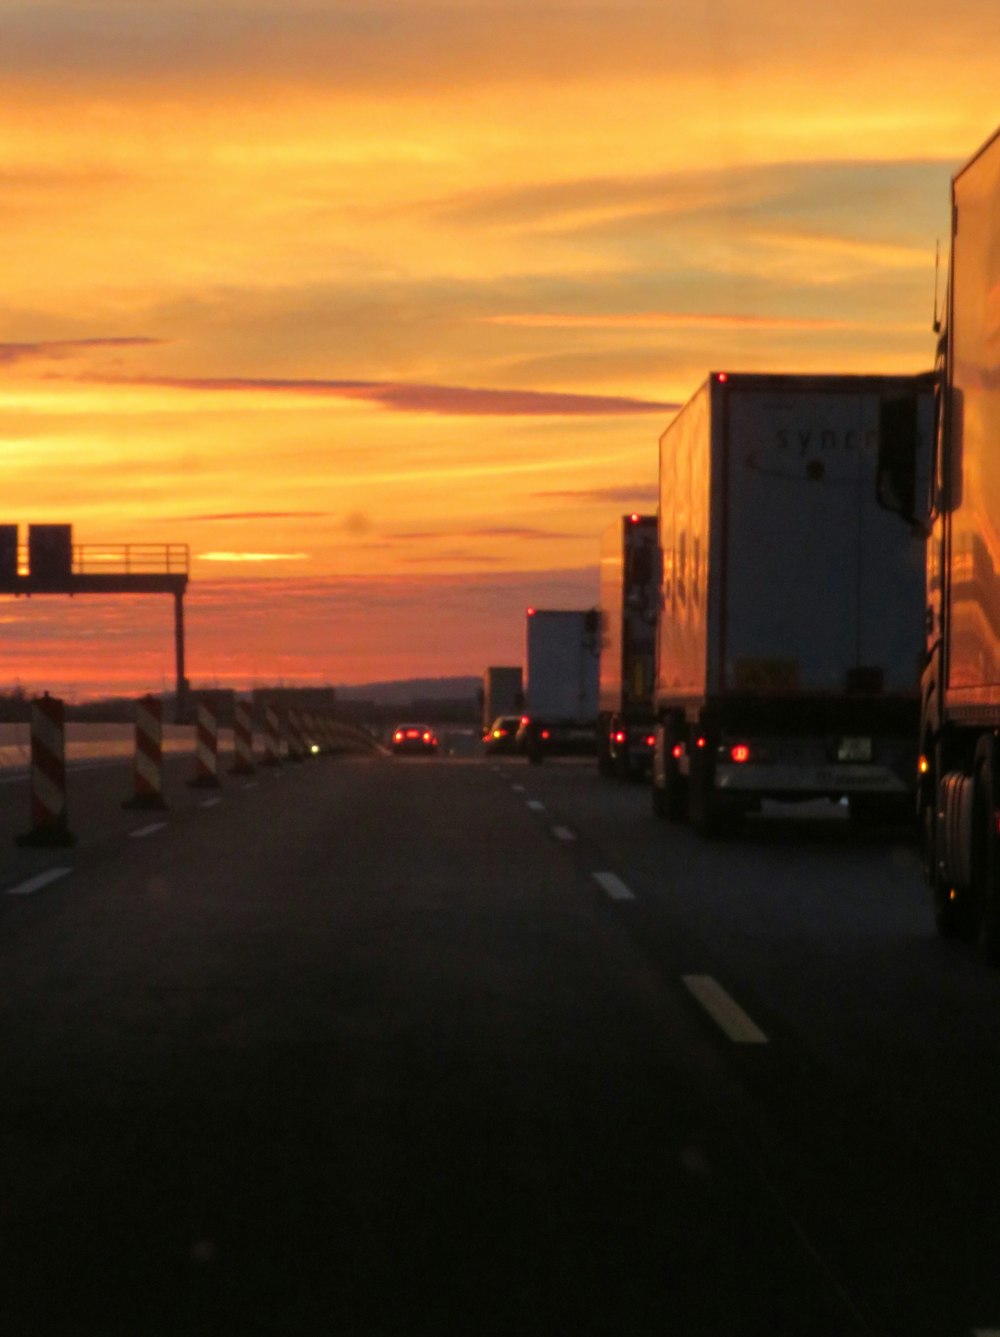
(52, 564)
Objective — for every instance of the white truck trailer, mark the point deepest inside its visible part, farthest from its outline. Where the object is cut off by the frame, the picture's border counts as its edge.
(790, 634)
(503, 692)
(628, 643)
(959, 791)
(561, 659)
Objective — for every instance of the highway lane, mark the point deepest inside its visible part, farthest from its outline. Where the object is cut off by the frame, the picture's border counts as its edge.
(361, 1049)
(873, 1107)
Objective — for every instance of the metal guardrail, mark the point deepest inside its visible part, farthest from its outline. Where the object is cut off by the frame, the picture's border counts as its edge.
(123, 559)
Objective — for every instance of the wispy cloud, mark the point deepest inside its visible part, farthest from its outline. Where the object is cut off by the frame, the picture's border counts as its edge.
(57, 350)
(397, 397)
(252, 515)
(678, 320)
(487, 532)
(610, 496)
(252, 556)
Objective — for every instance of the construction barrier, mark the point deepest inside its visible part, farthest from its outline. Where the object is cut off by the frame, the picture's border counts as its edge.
(272, 737)
(49, 820)
(206, 761)
(296, 741)
(147, 770)
(242, 740)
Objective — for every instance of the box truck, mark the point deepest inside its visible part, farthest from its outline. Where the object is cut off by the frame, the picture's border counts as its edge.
(628, 605)
(959, 789)
(503, 693)
(790, 633)
(561, 658)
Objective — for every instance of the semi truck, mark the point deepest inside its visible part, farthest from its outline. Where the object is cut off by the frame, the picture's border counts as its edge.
(561, 660)
(503, 692)
(790, 633)
(628, 607)
(958, 798)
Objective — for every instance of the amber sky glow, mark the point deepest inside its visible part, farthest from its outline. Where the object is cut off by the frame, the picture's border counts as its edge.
(381, 307)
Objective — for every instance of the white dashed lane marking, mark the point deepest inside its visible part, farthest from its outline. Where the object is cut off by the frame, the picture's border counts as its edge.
(615, 888)
(210, 803)
(536, 805)
(518, 789)
(724, 1011)
(149, 830)
(563, 833)
(34, 884)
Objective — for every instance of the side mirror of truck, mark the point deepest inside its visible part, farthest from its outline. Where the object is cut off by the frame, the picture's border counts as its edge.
(896, 469)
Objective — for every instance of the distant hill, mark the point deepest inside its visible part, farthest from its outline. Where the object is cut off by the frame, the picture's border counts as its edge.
(404, 691)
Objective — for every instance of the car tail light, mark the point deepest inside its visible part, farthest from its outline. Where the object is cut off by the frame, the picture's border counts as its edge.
(619, 736)
(651, 740)
(427, 737)
(677, 751)
(397, 737)
(525, 719)
(546, 735)
(701, 742)
(739, 752)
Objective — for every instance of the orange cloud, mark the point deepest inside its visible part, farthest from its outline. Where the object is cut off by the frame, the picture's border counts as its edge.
(449, 400)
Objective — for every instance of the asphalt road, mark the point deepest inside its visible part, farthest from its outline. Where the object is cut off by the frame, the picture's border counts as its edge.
(393, 1046)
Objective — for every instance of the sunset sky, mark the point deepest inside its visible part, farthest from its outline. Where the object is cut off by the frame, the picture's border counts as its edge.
(382, 307)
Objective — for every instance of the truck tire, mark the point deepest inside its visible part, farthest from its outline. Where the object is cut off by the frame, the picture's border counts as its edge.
(986, 854)
(675, 790)
(711, 816)
(605, 761)
(948, 908)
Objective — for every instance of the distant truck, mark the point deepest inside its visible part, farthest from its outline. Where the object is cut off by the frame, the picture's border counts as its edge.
(503, 692)
(561, 689)
(629, 597)
(790, 634)
(959, 790)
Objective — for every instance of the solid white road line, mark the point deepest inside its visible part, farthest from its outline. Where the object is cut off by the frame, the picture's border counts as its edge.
(34, 884)
(536, 805)
(149, 830)
(563, 833)
(210, 803)
(726, 1013)
(612, 884)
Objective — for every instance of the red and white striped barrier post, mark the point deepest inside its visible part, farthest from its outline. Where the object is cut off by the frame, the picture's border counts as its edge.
(206, 758)
(272, 737)
(49, 821)
(242, 740)
(147, 770)
(296, 745)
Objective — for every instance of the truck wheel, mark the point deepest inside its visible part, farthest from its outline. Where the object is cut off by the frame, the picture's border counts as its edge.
(605, 764)
(711, 816)
(675, 790)
(949, 910)
(986, 861)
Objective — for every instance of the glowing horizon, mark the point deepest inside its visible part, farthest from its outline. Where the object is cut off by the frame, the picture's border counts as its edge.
(383, 292)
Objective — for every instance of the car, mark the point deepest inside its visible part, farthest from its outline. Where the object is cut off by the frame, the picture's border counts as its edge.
(419, 738)
(501, 736)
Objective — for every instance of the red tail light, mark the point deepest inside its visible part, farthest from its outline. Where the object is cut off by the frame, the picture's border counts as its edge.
(427, 737)
(701, 742)
(545, 735)
(651, 740)
(619, 736)
(525, 719)
(739, 753)
(397, 737)
(677, 751)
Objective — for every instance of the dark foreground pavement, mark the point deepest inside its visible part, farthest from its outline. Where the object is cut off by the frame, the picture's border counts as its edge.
(345, 1054)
